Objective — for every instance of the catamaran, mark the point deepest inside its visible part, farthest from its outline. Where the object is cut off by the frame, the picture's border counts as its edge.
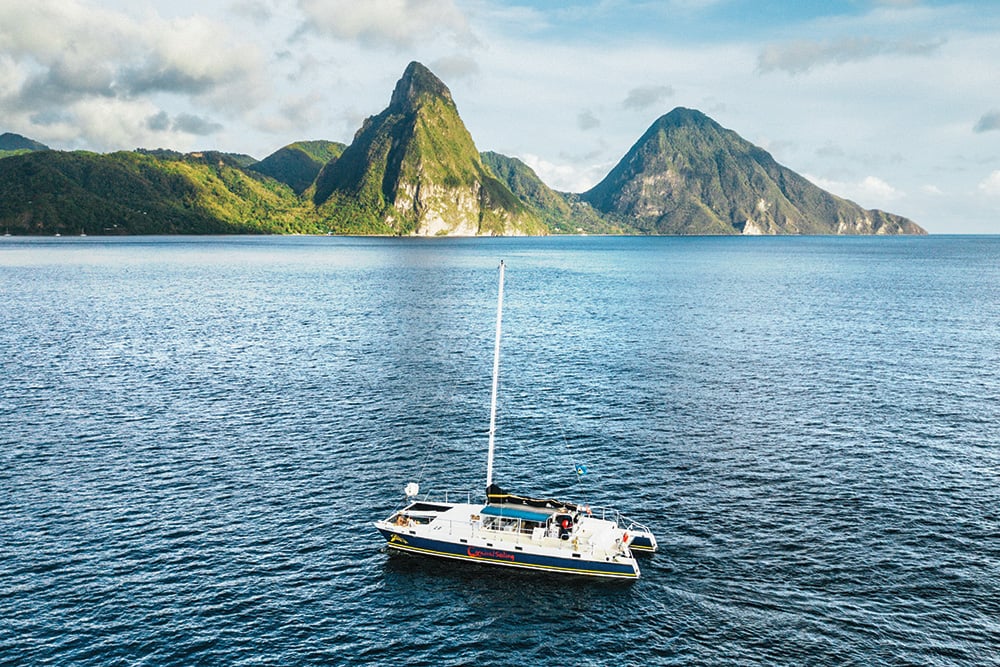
(510, 530)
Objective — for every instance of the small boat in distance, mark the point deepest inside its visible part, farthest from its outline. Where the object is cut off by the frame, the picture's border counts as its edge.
(516, 531)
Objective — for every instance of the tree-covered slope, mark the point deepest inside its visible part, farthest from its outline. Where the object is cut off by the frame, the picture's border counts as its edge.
(414, 169)
(561, 212)
(297, 165)
(15, 144)
(689, 175)
(135, 193)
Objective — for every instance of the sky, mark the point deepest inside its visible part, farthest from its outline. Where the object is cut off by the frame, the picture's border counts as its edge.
(894, 104)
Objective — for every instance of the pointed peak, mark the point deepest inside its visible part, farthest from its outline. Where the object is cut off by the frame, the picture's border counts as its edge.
(417, 82)
(682, 116)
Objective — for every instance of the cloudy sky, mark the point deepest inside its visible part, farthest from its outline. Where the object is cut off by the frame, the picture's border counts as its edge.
(892, 103)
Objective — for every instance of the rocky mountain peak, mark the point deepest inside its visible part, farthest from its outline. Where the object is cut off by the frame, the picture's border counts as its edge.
(416, 85)
(414, 169)
(689, 175)
(682, 116)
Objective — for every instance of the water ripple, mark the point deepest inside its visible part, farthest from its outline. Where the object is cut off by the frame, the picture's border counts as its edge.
(199, 432)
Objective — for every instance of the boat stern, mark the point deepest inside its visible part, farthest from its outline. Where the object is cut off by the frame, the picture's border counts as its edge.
(641, 541)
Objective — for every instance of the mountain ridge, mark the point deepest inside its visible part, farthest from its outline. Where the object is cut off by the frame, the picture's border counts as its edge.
(298, 164)
(15, 144)
(130, 192)
(414, 169)
(688, 174)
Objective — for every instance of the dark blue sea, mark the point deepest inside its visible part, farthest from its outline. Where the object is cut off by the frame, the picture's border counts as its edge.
(196, 435)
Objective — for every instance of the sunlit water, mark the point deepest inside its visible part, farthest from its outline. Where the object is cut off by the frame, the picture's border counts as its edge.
(196, 434)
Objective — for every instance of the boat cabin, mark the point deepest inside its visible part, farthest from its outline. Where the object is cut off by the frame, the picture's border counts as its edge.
(509, 519)
(528, 521)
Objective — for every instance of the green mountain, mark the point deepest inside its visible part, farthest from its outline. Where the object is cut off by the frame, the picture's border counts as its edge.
(140, 193)
(561, 212)
(689, 175)
(15, 144)
(297, 165)
(414, 169)
(237, 160)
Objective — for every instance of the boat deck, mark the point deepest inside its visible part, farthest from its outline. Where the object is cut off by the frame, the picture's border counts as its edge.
(497, 533)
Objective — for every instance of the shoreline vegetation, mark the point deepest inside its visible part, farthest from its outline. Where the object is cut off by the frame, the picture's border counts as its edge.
(414, 170)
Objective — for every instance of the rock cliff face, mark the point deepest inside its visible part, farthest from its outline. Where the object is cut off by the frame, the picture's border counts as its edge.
(689, 175)
(414, 169)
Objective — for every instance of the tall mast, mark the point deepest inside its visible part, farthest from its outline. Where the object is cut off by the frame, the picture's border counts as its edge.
(496, 377)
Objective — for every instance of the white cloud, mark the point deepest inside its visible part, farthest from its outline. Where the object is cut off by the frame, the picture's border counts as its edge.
(587, 120)
(12, 76)
(878, 190)
(399, 24)
(450, 68)
(870, 192)
(68, 57)
(987, 122)
(74, 49)
(566, 177)
(254, 10)
(694, 5)
(294, 114)
(643, 97)
(801, 56)
(187, 123)
(131, 128)
(991, 184)
(197, 56)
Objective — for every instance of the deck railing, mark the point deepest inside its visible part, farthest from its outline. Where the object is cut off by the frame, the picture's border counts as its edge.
(629, 525)
(606, 513)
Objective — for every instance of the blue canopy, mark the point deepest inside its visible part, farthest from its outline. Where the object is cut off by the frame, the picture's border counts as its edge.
(516, 513)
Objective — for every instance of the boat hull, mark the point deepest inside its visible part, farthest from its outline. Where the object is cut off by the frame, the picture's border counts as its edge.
(644, 543)
(501, 557)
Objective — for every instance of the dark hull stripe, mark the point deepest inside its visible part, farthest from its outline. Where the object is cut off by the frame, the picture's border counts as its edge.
(504, 558)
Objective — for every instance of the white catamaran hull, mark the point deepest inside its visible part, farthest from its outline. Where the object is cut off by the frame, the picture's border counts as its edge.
(487, 535)
(514, 531)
